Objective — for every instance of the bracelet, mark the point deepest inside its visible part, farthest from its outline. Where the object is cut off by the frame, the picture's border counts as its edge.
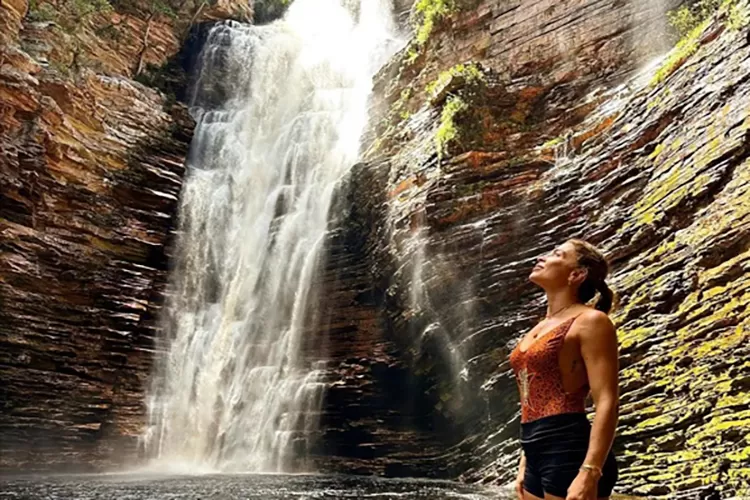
(594, 468)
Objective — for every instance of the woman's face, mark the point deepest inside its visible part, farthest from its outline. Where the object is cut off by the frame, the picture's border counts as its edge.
(554, 268)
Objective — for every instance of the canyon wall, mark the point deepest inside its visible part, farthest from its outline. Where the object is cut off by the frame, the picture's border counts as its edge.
(92, 165)
(507, 127)
(513, 126)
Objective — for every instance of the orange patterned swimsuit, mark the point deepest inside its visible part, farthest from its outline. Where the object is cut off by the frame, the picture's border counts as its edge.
(539, 379)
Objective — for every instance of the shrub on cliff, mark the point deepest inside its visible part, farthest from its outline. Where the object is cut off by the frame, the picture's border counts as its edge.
(69, 15)
(687, 18)
(448, 132)
(430, 12)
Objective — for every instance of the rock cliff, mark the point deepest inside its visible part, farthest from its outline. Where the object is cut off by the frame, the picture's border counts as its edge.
(507, 128)
(92, 165)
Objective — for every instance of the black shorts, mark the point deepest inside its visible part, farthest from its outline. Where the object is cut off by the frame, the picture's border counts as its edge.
(555, 448)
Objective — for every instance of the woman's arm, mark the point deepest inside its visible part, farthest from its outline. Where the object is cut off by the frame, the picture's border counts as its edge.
(598, 342)
(520, 476)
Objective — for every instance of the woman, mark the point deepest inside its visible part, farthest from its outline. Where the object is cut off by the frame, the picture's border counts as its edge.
(569, 354)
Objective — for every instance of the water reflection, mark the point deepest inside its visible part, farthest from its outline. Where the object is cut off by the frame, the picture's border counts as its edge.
(235, 487)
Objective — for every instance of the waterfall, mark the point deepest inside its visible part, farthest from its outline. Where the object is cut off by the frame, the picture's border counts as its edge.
(279, 111)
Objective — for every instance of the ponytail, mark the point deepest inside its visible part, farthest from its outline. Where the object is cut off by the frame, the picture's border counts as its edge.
(597, 269)
(606, 297)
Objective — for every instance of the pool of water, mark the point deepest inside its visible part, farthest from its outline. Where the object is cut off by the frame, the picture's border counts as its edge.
(236, 487)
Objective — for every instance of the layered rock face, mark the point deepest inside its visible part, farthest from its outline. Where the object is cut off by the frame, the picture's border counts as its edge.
(92, 165)
(376, 418)
(494, 164)
(469, 175)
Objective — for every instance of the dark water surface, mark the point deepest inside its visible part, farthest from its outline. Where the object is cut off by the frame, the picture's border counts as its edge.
(235, 487)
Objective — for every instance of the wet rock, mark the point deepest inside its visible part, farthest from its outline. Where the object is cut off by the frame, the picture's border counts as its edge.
(91, 168)
(573, 144)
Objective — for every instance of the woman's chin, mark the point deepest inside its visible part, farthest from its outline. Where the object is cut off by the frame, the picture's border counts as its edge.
(539, 276)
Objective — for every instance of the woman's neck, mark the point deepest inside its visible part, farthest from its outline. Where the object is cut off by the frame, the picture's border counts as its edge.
(560, 299)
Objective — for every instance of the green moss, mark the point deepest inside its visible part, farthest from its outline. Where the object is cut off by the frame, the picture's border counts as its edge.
(675, 186)
(690, 20)
(412, 53)
(742, 455)
(41, 12)
(73, 17)
(712, 432)
(645, 209)
(447, 131)
(663, 477)
(167, 8)
(553, 142)
(163, 8)
(374, 147)
(738, 16)
(657, 151)
(659, 421)
(399, 107)
(430, 13)
(691, 15)
(82, 9)
(684, 49)
(469, 73)
(69, 15)
(630, 338)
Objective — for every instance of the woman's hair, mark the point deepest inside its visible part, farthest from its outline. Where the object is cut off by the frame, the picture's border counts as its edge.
(598, 269)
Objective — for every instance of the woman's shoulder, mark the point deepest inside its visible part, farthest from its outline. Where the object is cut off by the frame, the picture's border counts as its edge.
(591, 321)
(588, 314)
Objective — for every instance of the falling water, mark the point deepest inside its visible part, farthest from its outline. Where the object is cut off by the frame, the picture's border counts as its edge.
(279, 112)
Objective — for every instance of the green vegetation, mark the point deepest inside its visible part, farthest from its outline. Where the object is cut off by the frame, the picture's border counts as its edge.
(431, 12)
(453, 88)
(79, 18)
(82, 9)
(152, 8)
(469, 73)
(403, 99)
(738, 16)
(684, 49)
(691, 20)
(41, 12)
(399, 108)
(427, 15)
(553, 142)
(447, 132)
(163, 8)
(70, 15)
(688, 17)
(412, 53)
